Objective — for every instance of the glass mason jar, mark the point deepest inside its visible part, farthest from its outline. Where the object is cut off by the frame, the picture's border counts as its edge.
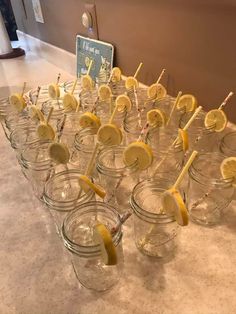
(154, 231)
(88, 98)
(228, 144)
(62, 194)
(77, 233)
(57, 114)
(117, 179)
(168, 159)
(117, 88)
(37, 165)
(85, 141)
(201, 138)
(43, 95)
(69, 85)
(20, 137)
(208, 193)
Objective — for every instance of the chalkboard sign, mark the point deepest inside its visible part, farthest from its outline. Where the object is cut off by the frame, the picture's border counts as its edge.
(101, 53)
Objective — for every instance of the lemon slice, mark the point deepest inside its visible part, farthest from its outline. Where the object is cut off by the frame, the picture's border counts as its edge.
(228, 169)
(45, 132)
(216, 119)
(102, 235)
(87, 82)
(54, 91)
(69, 102)
(115, 75)
(187, 102)
(123, 103)
(156, 91)
(86, 184)
(156, 118)
(104, 92)
(17, 101)
(183, 138)
(89, 120)
(131, 82)
(59, 153)
(138, 152)
(173, 204)
(109, 134)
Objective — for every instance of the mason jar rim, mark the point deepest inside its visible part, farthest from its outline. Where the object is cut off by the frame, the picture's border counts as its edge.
(93, 249)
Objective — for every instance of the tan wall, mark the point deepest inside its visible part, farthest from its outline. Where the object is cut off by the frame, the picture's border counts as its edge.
(193, 39)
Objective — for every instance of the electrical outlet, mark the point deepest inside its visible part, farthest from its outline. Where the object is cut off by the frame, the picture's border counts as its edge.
(92, 32)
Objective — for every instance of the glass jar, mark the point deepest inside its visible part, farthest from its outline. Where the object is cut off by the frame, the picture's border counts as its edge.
(85, 141)
(77, 233)
(62, 193)
(69, 85)
(88, 98)
(117, 179)
(201, 138)
(43, 95)
(208, 193)
(154, 231)
(20, 137)
(228, 144)
(57, 114)
(37, 165)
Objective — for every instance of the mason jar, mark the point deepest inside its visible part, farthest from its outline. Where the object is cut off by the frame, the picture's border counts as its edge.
(57, 114)
(201, 138)
(84, 144)
(42, 97)
(62, 193)
(20, 137)
(88, 98)
(69, 85)
(117, 179)
(228, 144)
(208, 193)
(117, 88)
(37, 165)
(77, 234)
(155, 232)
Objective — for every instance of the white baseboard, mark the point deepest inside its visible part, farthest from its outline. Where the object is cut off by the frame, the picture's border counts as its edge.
(55, 55)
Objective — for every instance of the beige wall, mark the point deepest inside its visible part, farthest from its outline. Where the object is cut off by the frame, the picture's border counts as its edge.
(193, 39)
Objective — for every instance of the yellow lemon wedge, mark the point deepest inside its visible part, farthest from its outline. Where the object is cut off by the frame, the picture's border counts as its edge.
(187, 102)
(228, 169)
(183, 138)
(104, 92)
(123, 103)
(156, 91)
(69, 102)
(216, 119)
(131, 82)
(87, 82)
(173, 204)
(45, 132)
(35, 113)
(138, 152)
(54, 91)
(109, 134)
(156, 118)
(86, 184)
(89, 120)
(103, 237)
(17, 101)
(59, 152)
(115, 75)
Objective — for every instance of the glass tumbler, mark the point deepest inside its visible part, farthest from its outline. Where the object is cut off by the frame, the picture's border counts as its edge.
(155, 232)
(57, 114)
(62, 193)
(208, 193)
(20, 137)
(117, 179)
(77, 233)
(228, 144)
(36, 165)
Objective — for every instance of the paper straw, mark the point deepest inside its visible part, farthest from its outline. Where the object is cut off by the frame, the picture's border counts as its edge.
(74, 85)
(185, 169)
(160, 76)
(138, 69)
(49, 115)
(23, 89)
(62, 127)
(90, 66)
(37, 95)
(77, 107)
(113, 114)
(174, 106)
(226, 100)
(196, 112)
(58, 78)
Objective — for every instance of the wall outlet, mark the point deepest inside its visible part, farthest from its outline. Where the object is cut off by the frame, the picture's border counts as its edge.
(92, 32)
